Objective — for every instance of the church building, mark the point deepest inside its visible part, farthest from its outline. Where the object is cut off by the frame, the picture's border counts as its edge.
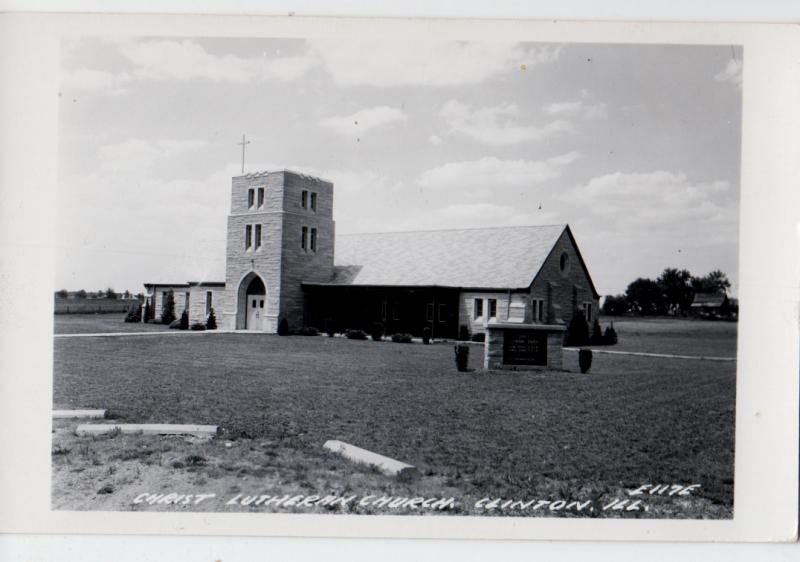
(284, 261)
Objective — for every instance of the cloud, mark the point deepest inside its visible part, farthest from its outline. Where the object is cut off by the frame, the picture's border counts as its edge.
(497, 125)
(435, 140)
(362, 121)
(731, 73)
(575, 109)
(138, 155)
(88, 79)
(481, 178)
(379, 63)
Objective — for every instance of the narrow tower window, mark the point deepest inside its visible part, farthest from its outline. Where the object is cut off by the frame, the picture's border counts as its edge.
(303, 237)
(304, 199)
(260, 197)
(492, 308)
(313, 239)
(313, 201)
(258, 236)
(251, 195)
(248, 235)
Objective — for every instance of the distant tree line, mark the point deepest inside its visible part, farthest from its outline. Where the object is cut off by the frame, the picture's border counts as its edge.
(108, 293)
(671, 293)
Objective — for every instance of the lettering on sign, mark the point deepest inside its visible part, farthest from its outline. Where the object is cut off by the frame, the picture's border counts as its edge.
(522, 347)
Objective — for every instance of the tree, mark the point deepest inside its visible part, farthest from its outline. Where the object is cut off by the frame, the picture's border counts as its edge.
(676, 289)
(714, 282)
(184, 325)
(211, 322)
(168, 309)
(645, 297)
(62, 294)
(577, 331)
(110, 294)
(614, 305)
(126, 294)
(81, 294)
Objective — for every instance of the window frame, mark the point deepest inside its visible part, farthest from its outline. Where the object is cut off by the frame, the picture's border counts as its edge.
(260, 198)
(209, 301)
(304, 238)
(312, 242)
(304, 199)
(251, 197)
(257, 237)
(313, 201)
(492, 304)
(477, 308)
(248, 235)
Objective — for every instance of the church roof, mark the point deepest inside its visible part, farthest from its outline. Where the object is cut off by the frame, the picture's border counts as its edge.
(709, 299)
(482, 258)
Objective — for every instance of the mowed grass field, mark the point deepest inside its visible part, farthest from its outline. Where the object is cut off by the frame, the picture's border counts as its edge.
(629, 421)
(100, 324)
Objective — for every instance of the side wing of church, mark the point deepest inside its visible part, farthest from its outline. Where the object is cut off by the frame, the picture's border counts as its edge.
(281, 264)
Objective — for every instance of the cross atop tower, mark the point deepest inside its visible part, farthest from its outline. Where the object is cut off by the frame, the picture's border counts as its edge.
(243, 144)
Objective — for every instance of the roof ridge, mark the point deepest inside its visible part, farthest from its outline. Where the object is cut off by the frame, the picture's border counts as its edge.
(563, 224)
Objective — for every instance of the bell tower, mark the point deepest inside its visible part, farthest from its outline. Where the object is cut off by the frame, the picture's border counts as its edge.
(280, 234)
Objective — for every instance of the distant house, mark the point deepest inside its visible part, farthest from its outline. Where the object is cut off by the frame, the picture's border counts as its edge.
(710, 305)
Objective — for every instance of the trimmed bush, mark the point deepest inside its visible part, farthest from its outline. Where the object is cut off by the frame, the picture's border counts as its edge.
(426, 335)
(577, 331)
(283, 327)
(463, 332)
(148, 314)
(376, 333)
(462, 356)
(198, 327)
(211, 322)
(585, 359)
(597, 333)
(356, 334)
(610, 335)
(134, 314)
(481, 337)
(168, 309)
(309, 331)
(184, 321)
(402, 338)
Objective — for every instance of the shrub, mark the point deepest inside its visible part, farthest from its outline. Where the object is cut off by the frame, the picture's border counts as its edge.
(184, 321)
(330, 327)
(463, 332)
(168, 309)
(198, 327)
(283, 327)
(309, 331)
(134, 314)
(480, 337)
(401, 338)
(585, 359)
(175, 325)
(376, 333)
(462, 357)
(577, 331)
(426, 335)
(610, 335)
(62, 294)
(597, 333)
(356, 334)
(148, 314)
(211, 322)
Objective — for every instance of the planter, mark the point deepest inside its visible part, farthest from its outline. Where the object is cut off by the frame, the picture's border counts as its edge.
(462, 357)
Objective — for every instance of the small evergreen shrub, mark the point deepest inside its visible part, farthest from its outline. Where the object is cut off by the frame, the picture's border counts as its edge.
(283, 327)
(134, 314)
(585, 360)
(376, 333)
(402, 338)
(577, 331)
(597, 333)
(198, 327)
(309, 331)
(480, 337)
(148, 316)
(426, 335)
(184, 321)
(610, 335)
(211, 322)
(356, 334)
(462, 357)
(463, 332)
(168, 309)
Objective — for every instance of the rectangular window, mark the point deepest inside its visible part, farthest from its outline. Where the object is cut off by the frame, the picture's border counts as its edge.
(313, 239)
(492, 308)
(396, 311)
(186, 301)
(587, 311)
(429, 312)
(313, 201)
(304, 237)
(260, 197)
(537, 310)
(209, 303)
(442, 313)
(478, 308)
(304, 199)
(248, 236)
(258, 236)
(251, 197)
(383, 311)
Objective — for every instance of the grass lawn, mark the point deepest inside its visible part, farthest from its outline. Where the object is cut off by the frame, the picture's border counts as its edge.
(674, 336)
(631, 420)
(100, 323)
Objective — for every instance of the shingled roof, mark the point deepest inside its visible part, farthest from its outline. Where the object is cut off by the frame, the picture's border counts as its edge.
(482, 258)
(709, 299)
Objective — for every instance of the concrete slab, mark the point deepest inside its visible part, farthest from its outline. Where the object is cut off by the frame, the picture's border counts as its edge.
(148, 429)
(661, 355)
(386, 465)
(67, 414)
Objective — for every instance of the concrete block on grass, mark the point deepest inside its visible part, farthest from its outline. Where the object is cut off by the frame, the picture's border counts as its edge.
(386, 465)
(208, 431)
(70, 414)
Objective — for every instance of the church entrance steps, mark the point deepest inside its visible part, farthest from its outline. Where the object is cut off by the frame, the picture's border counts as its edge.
(390, 467)
(661, 355)
(70, 414)
(208, 431)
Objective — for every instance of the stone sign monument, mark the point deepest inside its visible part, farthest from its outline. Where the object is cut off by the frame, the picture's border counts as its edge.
(523, 346)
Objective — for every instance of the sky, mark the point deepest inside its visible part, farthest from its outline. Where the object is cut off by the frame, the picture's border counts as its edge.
(636, 147)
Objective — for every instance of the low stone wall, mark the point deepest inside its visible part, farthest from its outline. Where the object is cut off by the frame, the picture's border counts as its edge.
(523, 347)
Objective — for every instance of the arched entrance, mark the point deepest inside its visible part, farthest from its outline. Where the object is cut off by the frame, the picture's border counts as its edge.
(252, 303)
